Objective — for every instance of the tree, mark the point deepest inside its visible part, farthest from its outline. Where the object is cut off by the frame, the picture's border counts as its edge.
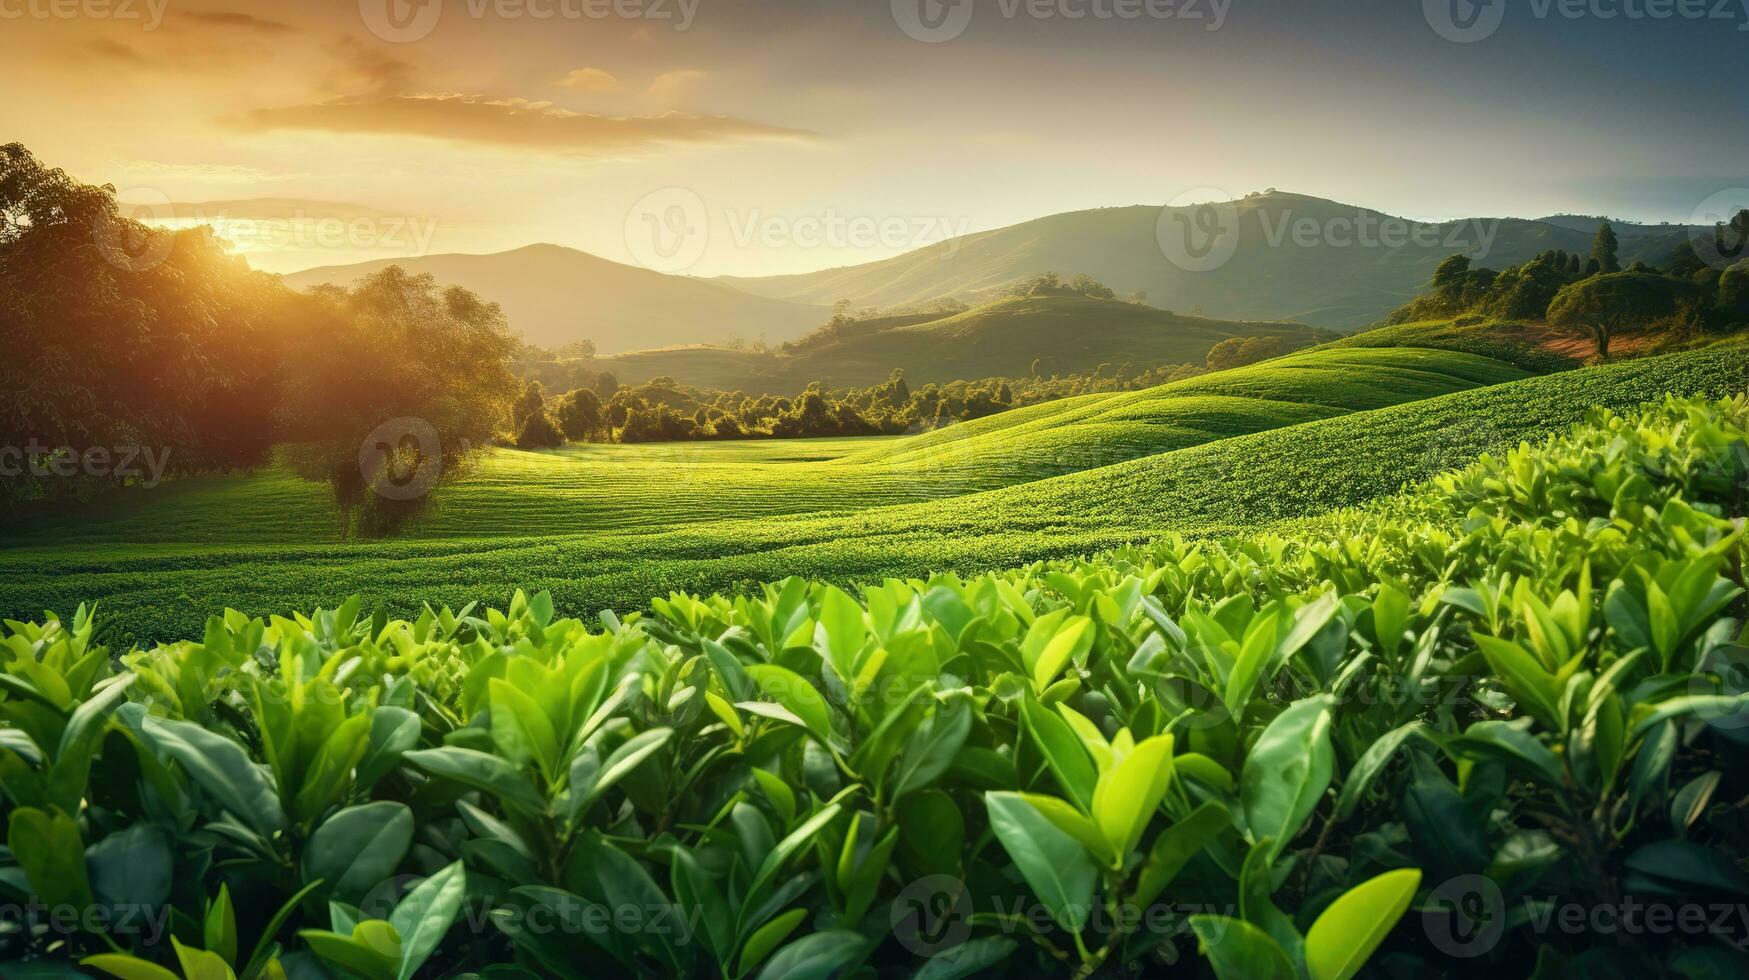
(899, 390)
(1524, 292)
(606, 386)
(391, 389)
(1449, 276)
(1240, 351)
(1733, 302)
(578, 414)
(1684, 261)
(532, 401)
(1090, 287)
(117, 336)
(1601, 307)
(1604, 250)
(1730, 240)
(539, 432)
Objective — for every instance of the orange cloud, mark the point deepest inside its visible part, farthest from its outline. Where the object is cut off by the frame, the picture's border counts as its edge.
(232, 18)
(590, 80)
(511, 123)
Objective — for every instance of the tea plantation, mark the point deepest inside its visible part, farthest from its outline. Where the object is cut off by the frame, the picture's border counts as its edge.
(609, 527)
(1402, 738)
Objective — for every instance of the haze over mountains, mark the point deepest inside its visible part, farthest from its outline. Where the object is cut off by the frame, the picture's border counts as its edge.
(1012, 338)
(1296, 258)
(555, 295)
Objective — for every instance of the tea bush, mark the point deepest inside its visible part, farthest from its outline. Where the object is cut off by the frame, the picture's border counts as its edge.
(1496, 697)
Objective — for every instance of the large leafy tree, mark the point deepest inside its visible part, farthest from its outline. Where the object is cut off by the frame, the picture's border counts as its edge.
(579, 414)
(123, 338)
(1601, 307)
(393, 391)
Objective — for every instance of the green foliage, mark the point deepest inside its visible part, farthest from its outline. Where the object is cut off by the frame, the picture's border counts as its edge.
(539, 431)
(112, 333)
(1605, 250)
(1240, 351)
(394, 392)
(1604, 305)
(1509, 671)
(137, 354)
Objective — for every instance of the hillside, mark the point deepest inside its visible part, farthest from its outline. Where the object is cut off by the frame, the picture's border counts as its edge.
(1064, 334)
(612, 526)
(555, 295)
(1330, 279)
(1092, 431)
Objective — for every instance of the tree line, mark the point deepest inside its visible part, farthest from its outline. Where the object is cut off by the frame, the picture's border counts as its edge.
(664, 410)
(1594, 296)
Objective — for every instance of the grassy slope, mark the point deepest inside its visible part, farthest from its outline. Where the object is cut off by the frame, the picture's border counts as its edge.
(1065, 334)
(1238, 482)
(1515, 343)
(1098, 430)
(663, 485)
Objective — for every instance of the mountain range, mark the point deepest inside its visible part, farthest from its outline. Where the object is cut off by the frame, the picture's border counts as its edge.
(554, 295)
(1013, 337)
(1288, 257)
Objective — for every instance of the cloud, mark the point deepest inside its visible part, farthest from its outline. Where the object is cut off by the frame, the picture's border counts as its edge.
(237, 19)
(590, 80)
(511, 123)
(371, 69)
(117, 51)
(271, 209)
(674, 87)
(206, 172)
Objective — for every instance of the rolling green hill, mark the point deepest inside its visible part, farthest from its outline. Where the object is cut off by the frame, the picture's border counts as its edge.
(612, 526)
(1097, 430)
(1297, 258)
(1064, 334)
(593, 487)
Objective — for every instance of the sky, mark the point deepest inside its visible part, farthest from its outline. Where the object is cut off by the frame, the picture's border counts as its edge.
(759, 137)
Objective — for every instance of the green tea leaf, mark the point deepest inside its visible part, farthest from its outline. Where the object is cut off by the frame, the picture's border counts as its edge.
(1354, 925)
(1054, 864)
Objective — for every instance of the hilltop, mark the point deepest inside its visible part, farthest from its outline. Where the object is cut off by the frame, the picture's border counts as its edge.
(1298, 258)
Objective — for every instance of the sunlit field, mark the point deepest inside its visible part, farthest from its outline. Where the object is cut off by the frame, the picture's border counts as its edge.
(913, 490)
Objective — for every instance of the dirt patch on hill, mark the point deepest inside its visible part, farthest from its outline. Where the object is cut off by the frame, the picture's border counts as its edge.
(1584, 348)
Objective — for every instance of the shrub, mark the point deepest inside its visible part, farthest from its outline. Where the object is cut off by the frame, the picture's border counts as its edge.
(539, 432)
